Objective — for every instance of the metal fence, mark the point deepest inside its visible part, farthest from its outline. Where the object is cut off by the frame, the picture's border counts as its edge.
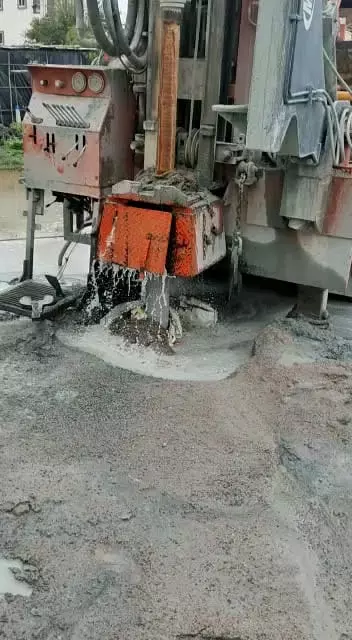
(15, 91)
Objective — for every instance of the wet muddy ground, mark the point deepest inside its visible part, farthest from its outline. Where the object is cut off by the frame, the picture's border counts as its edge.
(142, 508)
(139, 508)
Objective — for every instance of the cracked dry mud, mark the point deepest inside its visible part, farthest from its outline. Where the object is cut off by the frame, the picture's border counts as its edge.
(160, 510)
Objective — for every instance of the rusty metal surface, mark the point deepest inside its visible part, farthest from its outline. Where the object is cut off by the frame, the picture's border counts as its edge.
(58, 80)
(338, 216)
(168, 97)
(198, 241)
(78, 143)
(180, 240)
(134, 237)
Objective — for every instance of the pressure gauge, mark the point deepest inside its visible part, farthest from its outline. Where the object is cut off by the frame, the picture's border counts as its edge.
(79, 82)
(96, 82)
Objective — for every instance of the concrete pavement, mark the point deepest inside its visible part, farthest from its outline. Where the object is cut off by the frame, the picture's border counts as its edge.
(45, 258)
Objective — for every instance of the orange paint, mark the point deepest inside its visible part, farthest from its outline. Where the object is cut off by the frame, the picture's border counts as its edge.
(140, 235)
(51, 73)
(339, 195)
(184, 257)
(168, 98)
(134, 237)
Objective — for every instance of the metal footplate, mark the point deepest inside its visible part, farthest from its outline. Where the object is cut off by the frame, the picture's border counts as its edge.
(36, 300)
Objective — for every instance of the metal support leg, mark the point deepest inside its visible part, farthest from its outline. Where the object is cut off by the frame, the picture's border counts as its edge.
(35, 208)
(97, 213)
(68, 220)
(214, 55)
(157, 300)
(153, 82)
(312, 302)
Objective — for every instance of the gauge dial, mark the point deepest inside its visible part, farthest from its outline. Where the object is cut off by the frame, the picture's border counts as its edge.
(96, 82)
(79, 82)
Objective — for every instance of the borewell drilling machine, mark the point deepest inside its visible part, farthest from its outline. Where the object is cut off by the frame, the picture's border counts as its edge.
(215, 129)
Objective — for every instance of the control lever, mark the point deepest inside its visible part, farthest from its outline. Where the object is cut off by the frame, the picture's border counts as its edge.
(34, 119)
(80, 156)
(65, 156)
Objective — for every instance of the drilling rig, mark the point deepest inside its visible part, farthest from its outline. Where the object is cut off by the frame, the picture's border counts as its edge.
(216, 130)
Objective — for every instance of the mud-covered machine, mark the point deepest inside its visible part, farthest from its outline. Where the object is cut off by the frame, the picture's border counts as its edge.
(215, 129)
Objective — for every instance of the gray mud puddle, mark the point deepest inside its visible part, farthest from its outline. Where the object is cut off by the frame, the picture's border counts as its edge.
(11, 584)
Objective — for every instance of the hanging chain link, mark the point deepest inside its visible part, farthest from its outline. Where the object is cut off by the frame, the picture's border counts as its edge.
(236, 249)
(237, 239)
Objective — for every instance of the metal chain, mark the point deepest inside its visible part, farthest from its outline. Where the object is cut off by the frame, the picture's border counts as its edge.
(236, 249)
(237, 233)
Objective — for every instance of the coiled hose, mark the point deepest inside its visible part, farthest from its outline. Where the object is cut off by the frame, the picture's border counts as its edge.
(118, 42)
(339, 121)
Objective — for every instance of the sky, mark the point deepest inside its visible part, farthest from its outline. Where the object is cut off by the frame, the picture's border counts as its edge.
(123, 4)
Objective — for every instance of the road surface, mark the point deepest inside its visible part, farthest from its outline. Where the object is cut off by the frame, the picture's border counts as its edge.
(145, 509)
(138, 508)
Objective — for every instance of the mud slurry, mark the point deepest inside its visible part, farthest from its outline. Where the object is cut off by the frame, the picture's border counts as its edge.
(160, 510)
(12, 579)
(204, 354)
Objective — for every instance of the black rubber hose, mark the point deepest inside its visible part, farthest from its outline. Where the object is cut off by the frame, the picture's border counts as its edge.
(131, 19)
(98, 29)
(110, 25)
(126, 48)
(121, 42)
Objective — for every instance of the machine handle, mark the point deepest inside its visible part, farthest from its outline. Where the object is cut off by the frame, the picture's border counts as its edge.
(80, 156)
(74, 148)
(34, 119)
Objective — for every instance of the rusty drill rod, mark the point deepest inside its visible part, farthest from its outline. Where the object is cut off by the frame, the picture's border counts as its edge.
(171, 19)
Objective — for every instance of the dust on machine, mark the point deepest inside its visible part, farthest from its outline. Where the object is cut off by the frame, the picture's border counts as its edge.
(215, 131)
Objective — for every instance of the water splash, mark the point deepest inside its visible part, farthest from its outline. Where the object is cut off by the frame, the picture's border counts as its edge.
(107, 279)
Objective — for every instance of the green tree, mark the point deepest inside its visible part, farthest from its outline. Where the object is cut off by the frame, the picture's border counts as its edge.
(58, 27)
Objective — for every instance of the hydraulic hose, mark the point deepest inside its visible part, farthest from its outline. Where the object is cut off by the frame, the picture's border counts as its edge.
(118, 42)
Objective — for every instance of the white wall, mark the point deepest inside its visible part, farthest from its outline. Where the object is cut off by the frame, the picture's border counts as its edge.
(14, 22)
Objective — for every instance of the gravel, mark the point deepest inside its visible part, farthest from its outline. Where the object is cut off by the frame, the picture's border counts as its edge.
(162, 510)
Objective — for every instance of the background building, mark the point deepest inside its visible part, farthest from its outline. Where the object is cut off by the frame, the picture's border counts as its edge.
(17, 15)
(15, 18)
